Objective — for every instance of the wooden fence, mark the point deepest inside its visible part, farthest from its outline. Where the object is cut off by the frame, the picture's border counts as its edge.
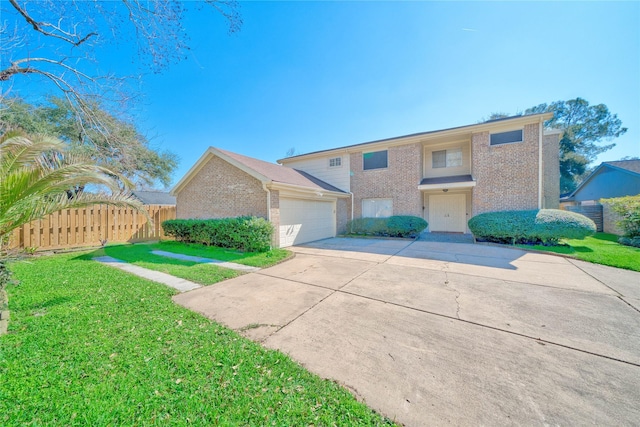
(89, 226)
(594, 212)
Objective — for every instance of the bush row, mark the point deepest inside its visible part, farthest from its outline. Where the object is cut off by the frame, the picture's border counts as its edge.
(394, 226)
(248, 234)
(544, 226)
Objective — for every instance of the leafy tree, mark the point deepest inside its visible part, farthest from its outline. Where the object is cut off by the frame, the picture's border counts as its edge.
(36, 174)
(121, 148)
(59, 47)
(584, 128)
(59, 42)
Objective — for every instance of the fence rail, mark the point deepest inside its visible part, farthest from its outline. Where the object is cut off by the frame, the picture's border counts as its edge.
(594, 212)
(89, 226)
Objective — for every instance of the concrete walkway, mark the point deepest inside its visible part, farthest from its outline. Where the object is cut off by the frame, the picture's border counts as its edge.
(225, 264)
(432, 333)
(166, 279)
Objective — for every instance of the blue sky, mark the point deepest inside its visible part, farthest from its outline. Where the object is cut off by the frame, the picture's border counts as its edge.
(317, 75)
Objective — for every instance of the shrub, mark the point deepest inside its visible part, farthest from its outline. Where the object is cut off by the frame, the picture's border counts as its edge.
(248, 234)
(628, 209)
(630, 241)
(394, 226)
(544, 226)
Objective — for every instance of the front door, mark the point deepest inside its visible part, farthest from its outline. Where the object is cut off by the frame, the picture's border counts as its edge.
(447, 212)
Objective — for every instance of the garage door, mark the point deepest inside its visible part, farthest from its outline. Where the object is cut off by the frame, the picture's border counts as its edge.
(304, 221)
(447, 213)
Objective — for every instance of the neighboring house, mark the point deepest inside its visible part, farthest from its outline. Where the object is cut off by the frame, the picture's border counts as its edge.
(445, 176)
(162, 198)
(610, 179)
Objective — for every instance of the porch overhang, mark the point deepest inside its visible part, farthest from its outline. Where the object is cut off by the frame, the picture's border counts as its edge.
(447, 183)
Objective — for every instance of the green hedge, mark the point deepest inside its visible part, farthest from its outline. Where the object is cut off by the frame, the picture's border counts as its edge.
(394, 226)
(245, 233)
(544, 226)
(628, 209)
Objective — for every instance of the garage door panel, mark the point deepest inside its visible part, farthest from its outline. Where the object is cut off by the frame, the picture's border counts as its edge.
(304, 221)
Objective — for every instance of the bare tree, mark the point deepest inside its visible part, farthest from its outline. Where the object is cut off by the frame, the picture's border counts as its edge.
(58, 42)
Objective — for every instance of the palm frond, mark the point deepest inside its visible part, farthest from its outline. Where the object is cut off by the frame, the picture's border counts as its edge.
(37, 174)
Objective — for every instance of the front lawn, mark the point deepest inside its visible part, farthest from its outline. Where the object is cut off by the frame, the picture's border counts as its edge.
(205, 274)
(92, 345)
(601, 248)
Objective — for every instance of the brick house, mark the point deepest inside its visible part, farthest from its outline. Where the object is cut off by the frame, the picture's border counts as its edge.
(445, 176)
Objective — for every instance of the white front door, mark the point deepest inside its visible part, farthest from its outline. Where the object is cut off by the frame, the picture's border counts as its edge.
(447, 212)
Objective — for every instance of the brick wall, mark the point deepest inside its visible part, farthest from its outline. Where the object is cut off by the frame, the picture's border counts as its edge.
(551, 171)
(220, 190)
(343, 206)
(506, 175)
(609, 221)
(399, 181)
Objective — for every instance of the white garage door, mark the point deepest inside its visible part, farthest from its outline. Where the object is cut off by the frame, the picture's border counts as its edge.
(447, 213)
(304, 221)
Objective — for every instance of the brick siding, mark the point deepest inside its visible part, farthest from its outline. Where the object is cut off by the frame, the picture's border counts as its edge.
(343, 207)
(220, 190)
(551, 171)
(610, 220)
(399, 181)
(506, 175)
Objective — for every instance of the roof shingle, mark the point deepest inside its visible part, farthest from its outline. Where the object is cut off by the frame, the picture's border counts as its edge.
(279, 173)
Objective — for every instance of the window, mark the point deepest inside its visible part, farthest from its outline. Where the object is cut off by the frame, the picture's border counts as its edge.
(375, 160)
(506, 137)
(377, 208)
(335, 162)
(446, 158)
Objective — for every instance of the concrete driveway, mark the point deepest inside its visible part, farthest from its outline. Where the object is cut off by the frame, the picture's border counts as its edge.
(433, 333)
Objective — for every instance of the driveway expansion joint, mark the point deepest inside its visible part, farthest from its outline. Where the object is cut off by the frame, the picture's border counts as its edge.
(495, 328)
(592, 276)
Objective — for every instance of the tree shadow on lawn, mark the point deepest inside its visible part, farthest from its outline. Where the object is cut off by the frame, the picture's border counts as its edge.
(134, 253)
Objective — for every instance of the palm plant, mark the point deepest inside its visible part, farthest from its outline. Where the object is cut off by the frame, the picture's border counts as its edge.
(37, 178)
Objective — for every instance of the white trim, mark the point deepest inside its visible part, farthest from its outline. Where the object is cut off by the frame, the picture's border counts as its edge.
(212, 151)
(450, 185)
(273, 185)
(460, 132)
(539, 163)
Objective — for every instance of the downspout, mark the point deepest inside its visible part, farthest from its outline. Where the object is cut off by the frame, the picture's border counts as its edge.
(540, 164)
(264, 186)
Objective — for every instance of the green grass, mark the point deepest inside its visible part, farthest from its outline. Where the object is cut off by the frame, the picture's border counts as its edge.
(601, 248)
(205, 274)
(92, 345)
(254, 259)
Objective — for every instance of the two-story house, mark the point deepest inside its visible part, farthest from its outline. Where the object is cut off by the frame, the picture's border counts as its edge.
(445, 176)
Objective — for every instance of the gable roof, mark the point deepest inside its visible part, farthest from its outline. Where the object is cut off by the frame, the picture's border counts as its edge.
(154, 197)
(632, 167)
(267, 173)
(405, 139)
(628, 165)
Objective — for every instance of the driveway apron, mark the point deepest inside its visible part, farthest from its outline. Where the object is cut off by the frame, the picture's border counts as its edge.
(441, 333)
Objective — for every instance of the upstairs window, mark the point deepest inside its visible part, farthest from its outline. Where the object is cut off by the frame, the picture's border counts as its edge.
(506, 137)
(335, 162)
(446, 158)
(374, 160)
